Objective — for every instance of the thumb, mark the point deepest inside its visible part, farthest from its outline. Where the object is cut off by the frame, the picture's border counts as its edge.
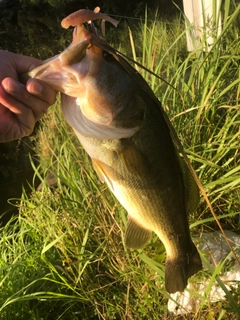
(25, 63)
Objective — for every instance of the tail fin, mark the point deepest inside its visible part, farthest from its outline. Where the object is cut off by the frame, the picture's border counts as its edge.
(179, 270)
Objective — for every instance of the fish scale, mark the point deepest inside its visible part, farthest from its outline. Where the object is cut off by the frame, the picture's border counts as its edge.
(122, 126)
(149, 185)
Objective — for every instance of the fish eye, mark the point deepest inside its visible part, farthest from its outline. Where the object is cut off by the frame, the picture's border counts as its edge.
(108, 56)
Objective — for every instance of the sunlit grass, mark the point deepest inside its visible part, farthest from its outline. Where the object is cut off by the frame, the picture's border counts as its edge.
(63, 257)
(204, 107)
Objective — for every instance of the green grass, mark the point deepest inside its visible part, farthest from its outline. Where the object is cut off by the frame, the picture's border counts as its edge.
(63, 257)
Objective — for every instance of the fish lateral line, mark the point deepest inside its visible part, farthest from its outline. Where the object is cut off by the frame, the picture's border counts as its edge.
(198, 181)
(102, 164)
(122, 59)
(131, 70)
(117, 53)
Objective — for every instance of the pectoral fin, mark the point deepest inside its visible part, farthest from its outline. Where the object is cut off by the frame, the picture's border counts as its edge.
(98, 169)
(133, 160)
(136, 237)
(106, 173)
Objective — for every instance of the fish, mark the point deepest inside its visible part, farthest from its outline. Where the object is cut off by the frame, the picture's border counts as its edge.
(123, 128)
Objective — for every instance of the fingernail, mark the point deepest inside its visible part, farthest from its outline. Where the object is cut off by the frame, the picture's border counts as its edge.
(34, 87)
(37, 87)
(11, 85)
(33, 66)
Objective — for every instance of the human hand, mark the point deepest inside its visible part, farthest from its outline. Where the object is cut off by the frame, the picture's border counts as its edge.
(21, 105)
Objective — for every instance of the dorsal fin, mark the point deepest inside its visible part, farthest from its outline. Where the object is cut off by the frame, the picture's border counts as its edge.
(192, 196)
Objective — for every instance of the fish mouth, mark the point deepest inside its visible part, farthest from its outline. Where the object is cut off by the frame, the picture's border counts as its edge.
(65, 71)
(60, 72)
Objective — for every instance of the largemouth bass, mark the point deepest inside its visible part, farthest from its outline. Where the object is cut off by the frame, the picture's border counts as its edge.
(122, 126)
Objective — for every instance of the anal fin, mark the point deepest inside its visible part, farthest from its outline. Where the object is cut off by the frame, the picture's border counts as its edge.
(136, 237)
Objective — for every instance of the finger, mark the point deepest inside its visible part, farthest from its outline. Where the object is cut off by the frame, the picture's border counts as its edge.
(19, 92)
(25, 63)
(12, 64)
(42, 90)
(25, 120)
